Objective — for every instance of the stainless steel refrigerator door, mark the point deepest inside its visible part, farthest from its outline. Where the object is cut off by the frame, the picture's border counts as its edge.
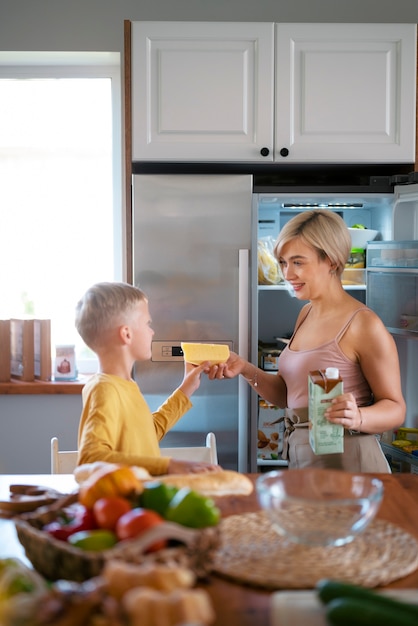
(188, 231)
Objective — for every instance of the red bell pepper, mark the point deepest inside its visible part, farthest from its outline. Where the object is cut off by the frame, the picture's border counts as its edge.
(71, 520)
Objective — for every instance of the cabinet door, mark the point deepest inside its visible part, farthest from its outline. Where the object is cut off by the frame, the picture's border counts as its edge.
(202, 91)
(345, 92)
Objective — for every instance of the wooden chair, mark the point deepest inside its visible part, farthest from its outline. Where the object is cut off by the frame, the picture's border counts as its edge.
(207, 453)
(62, 461)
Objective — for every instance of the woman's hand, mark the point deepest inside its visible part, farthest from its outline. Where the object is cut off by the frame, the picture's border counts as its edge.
(344, 411)
(230, 369)
(233, 366)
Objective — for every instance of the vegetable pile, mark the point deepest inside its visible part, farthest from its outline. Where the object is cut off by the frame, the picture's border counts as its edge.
(114, 505)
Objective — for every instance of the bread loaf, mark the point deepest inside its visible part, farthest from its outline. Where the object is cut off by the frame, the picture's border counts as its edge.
(121, 576)
(148, 607)
(218, 483)
(221, 483)
(197, 353)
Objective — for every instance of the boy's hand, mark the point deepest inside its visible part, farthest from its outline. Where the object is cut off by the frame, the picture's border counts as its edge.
(191, 380)
(177, 466)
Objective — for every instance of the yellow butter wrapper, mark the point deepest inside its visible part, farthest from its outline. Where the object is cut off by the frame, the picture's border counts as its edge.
(197, 353)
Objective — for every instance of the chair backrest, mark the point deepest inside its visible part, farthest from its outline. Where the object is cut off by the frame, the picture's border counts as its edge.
(62, 462)
(207, 453)
(65, 461)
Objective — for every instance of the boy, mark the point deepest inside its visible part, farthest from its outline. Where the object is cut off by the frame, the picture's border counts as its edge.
(116, 424)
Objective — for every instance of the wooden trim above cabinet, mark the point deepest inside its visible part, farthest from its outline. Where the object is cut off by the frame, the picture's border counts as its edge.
(128, 148)
(416, 121)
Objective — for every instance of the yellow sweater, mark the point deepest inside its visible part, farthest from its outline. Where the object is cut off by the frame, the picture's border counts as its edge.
(117, 425)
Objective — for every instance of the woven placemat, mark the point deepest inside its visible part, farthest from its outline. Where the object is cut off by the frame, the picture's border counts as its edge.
(253, 553)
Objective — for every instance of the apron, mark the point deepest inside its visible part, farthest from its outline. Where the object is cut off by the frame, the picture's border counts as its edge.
(362, 452)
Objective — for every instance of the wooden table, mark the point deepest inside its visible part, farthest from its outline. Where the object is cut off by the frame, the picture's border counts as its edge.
(234, 603)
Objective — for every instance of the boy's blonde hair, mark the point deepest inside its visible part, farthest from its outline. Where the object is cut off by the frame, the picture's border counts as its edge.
(323, 230)
(103, 306)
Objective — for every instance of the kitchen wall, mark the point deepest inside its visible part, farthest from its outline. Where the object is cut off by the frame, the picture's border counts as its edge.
(98, 24)
(28, 422)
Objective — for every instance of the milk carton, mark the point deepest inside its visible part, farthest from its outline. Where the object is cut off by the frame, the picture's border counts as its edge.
(323, 386)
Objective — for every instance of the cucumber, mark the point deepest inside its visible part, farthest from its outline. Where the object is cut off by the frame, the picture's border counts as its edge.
(351, 611)
(329, 590)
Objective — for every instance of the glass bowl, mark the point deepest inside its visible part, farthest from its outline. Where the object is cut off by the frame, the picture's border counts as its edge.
(319, 507)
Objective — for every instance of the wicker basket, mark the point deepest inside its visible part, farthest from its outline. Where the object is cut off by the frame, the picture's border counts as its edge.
(56, 559)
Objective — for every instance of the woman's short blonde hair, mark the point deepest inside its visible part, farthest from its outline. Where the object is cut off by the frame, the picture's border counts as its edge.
(322, 230)
(103, 306)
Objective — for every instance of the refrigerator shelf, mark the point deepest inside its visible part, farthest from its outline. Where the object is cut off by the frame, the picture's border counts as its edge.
(392, 270)
(358, 287)
(399, 455)
(279, 462)
(411, 334)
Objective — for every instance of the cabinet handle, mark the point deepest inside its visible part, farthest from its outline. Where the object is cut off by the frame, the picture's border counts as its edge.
(264, 152)
(284, 152)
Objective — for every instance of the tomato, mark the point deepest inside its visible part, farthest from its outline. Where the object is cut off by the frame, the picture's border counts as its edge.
(72, 520)
(136, 522)
(108, 510)
(58, 530)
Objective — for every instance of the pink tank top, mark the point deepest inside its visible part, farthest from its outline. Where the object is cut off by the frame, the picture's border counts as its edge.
(295, 366)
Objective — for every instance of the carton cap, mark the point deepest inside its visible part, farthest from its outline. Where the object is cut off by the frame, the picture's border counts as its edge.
(332, 372)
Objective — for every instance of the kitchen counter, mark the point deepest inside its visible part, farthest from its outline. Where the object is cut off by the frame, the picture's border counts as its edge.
(235, 603)
(40, 387)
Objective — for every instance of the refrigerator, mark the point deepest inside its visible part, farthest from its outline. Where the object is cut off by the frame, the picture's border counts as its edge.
(195, 242)
(191, 256)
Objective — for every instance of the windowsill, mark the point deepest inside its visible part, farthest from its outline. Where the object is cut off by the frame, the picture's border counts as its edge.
(43, 387)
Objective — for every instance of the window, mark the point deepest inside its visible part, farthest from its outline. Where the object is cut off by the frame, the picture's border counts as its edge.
(60, 185)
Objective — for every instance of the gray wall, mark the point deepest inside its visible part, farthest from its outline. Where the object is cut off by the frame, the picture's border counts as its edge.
(28, 422)
(98, 24)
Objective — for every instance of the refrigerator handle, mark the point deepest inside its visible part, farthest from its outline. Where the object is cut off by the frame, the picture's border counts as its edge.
(243, 350)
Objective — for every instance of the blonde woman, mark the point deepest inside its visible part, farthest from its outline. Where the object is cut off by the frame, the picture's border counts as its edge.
(332, 330)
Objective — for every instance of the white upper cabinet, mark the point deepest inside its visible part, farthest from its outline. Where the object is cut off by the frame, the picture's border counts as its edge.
(345, 93)
(202, 91)
(260, 92)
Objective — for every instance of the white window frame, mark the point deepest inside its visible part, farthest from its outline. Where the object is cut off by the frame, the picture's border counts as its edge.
(83, 65)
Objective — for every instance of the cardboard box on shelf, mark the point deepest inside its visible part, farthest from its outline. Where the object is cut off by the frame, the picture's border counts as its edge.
(22, 348)
(5, 351)
(42, 350)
